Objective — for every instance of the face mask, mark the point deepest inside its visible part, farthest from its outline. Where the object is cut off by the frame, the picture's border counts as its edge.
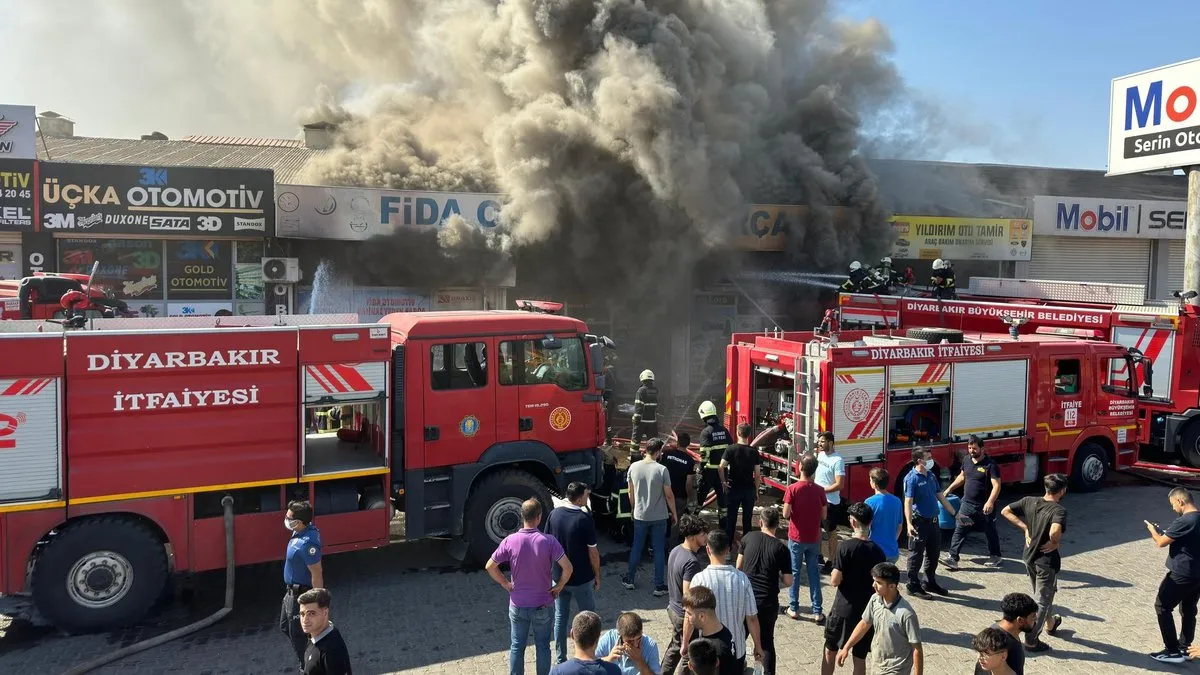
(929, 465)
(287, 524)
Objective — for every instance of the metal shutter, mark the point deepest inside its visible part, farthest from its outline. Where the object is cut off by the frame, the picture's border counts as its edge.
(1114, 261)
(29, 439)
(988, 398)
(1175, 262)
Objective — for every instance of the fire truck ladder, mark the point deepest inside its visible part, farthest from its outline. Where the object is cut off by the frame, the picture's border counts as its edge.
(806, 410)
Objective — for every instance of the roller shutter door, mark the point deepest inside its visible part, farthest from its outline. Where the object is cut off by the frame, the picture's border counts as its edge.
(1175, 260)
(1113, 261)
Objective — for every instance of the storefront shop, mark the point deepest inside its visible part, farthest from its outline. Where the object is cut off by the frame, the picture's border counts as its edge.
(170, 241)
(16, 213)
(1109, 241)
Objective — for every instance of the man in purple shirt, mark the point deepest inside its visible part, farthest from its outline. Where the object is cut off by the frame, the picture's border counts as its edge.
(530, 556)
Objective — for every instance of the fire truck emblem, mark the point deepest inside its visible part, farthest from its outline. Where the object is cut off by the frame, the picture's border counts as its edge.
(469, 426)
(560, 418)
(856, 405)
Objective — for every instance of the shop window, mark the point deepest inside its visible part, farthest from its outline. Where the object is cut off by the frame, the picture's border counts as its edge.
(344, 437)
(199, 269)
(1066, 377)
(461, 365)
(248, 281)
(527, 362)
(130, 269)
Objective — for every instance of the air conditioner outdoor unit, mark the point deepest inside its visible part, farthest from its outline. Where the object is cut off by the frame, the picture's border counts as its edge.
(281, 270)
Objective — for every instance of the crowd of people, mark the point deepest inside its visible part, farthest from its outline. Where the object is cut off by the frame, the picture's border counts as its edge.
(723, 590)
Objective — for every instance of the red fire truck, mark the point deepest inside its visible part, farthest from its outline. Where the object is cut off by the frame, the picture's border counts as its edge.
(116, 456)
(1041, 403)
(56, 296)
(1165, 333)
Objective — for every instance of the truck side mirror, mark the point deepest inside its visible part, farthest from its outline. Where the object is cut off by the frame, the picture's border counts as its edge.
(550, 343)
(599, 382)
(1148, 385)
(596, 356)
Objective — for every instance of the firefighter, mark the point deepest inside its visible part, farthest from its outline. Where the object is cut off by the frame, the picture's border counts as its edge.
(943, 280)
(892, 278)
(645, 409)
(714, 439)
(856, 279)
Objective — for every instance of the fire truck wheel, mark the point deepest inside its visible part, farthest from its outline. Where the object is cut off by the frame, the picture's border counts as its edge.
(494, 510)
(100, 574)
(935, 336)
(1189, 445)
(1091, 466)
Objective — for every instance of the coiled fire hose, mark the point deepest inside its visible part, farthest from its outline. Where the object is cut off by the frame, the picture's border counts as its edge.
(142, 646)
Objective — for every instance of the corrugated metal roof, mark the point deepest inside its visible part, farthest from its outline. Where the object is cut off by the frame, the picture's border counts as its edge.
(246, 140)
(286, 161)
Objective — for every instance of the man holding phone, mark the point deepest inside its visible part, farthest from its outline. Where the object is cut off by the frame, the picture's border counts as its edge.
(1181, 586)
(628, 648)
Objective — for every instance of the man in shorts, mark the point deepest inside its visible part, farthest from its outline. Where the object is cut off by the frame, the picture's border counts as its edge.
(851, 577)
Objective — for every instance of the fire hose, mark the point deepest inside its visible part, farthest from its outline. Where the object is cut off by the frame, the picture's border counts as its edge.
(142, 646)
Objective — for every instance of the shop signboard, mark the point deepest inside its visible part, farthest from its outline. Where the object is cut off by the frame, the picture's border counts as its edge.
(164, 202)
(930, 238)
(357, 214)
(766, 226)
(1109, 218)
(198, 308)
(18, 132)
(370, 303)
(200, 270)
(451, 299)
(1154, 120)
(16, 195)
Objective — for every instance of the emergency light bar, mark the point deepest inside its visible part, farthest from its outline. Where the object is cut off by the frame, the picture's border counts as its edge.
(540, 306)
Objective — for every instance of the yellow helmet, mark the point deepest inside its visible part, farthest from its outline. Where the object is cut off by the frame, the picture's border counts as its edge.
(707, 410)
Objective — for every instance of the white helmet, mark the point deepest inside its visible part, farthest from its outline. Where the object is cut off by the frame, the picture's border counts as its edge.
(855, 266)
(647, 374)
(939, 264)
(707, 410)
(885, 260)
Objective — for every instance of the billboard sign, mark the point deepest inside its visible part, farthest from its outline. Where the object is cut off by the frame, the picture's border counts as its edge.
(178, 201)
(929, 238)
(1109, 218)
(16, 195)
(18, 132)
(357, 214)
(1154, 120)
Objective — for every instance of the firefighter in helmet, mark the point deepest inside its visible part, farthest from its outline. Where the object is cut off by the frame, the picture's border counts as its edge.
(645, 408)
(714, 439)
(892, 278)
(942, 280)
(857, 279)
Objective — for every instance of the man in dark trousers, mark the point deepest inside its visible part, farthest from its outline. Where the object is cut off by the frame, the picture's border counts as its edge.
(851, 576)
(682, 468)
(768, 563)
(645, 409)
(1181, 586)
(301, 572)
(685, 562)
(921, 499)
(740, 474)
(326, 652)
(714, 440)
(980, 478)
(576, 532)
(1043, 520)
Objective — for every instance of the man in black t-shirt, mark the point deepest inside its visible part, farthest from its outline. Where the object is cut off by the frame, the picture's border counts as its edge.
(851, 576)
(326, 653)
(576, 532)
(741, 476)
(682, 469)
(767, 562)
(1181, 587)
(1043, 519)
(686, 561)
(701, 607)
(980, 479)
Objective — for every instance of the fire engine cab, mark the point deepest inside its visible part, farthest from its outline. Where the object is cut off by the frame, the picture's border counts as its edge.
(1042, 404)
(118, 442)
(56, 296)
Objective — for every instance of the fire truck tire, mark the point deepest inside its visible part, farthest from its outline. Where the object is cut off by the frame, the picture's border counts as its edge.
(1189, 445)
(494, 510)
(100, 574)
(1091, 466)
(935, 336)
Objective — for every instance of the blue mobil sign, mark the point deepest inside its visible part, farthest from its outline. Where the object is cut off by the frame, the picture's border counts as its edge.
(1100, 218)
(356, 214)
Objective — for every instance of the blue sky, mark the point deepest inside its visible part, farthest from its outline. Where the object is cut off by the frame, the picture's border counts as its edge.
(1034, 73)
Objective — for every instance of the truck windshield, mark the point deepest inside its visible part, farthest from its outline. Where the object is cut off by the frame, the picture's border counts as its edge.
(526, 362)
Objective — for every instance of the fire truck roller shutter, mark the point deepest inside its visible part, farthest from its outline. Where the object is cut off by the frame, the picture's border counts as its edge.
(935, 336)
(988, 398)
(100, 573)
(29, 437)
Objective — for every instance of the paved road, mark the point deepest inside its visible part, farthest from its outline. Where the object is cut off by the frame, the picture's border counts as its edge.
(407, 609)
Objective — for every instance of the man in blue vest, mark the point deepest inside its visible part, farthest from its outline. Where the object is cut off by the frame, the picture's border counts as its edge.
(301, 571)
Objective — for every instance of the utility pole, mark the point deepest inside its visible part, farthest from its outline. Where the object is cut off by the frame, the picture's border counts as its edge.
(1191, 259)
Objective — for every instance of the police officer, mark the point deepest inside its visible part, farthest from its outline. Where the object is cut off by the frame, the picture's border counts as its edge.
(857, 278)
(943, 280)
(714, 439)
(645, 409)
(301, 571)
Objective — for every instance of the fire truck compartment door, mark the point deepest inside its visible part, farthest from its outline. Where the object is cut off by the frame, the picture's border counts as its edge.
(922, 378)
(859, 409)
(988, 398)
(1158, 344)
(30, 439)
(344, 381)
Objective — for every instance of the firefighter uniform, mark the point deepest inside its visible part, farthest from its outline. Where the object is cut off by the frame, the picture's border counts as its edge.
(857, 279)
(645, 409)
(714, 439)
(942, 280)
